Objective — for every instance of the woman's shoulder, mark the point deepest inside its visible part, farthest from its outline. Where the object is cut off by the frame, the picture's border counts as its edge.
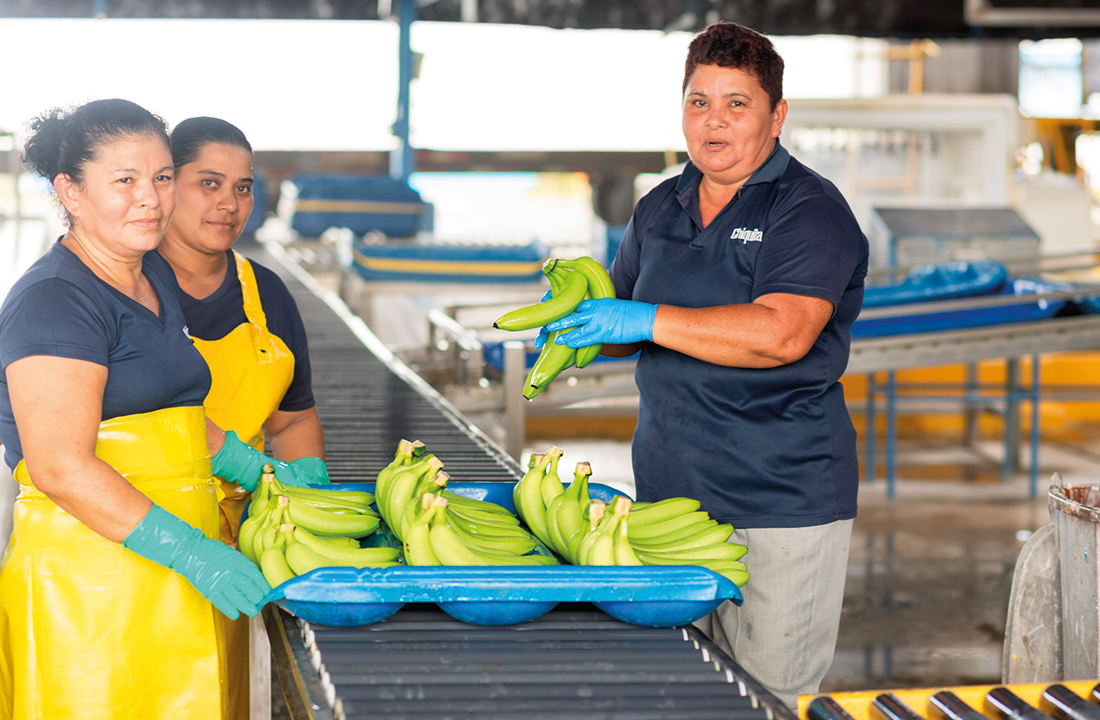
(57, 271)
(271, 286)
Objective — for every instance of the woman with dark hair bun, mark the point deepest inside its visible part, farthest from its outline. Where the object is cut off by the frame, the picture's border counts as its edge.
(261, 380)
(114, 587)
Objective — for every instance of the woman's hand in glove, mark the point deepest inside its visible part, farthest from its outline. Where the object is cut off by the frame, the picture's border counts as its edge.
(615, 322)
(243, 464)
(225, 577)
(313, 469)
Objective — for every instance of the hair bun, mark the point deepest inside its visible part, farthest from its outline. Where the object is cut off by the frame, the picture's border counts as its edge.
(42, 150)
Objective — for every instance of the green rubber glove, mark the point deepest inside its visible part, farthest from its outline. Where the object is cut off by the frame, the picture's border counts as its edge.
(315, 470)
(225, 577)
(243, 464)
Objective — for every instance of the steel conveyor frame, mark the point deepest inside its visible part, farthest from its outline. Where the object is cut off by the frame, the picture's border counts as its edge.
(573, 662)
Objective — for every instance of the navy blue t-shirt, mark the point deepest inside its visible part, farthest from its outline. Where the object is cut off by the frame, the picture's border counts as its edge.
(61, 309)
(216, 315)
(758, 447)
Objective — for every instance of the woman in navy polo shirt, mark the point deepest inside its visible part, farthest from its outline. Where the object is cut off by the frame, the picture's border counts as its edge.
(739, 280)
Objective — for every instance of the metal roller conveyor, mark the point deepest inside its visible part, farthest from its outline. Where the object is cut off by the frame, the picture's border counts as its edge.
(575, 661)
(887, 706)
(949, 706)
(1006, 704)
(1026, 701)
(1064, 704)
(824, 707)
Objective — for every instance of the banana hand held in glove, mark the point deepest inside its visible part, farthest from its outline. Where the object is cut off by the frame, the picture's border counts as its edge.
(225, 577)
(241, 463)
(617, 322)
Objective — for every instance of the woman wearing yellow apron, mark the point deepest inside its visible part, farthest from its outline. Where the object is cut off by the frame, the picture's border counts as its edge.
(245, 324)
(109, 585)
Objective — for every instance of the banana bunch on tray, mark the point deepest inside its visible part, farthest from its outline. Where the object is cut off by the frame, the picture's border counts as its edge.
(669, 532)
(585, 531)
(571, 281)
(291, 531)
(438, 527)
(445, 533)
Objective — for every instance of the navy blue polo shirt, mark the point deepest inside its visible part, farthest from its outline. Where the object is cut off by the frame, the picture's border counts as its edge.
(60, 308)
(218, 314)
(768, 447)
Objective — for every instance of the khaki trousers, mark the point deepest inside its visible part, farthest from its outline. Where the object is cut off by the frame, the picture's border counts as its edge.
(784, 634)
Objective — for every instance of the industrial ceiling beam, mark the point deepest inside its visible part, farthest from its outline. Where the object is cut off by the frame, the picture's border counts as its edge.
(867, 18)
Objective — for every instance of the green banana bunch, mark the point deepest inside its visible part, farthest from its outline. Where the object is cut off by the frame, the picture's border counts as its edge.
(258, 530)
(291, 531)
(572, 290)
(551, 483)
(676, 532)
(273, 559)
(623, 550)
(451, 544)
(405, 455)
(565, 514)
(413, 508)
(571, 281)
(598, 546)
(322, 553)
(417, 543)
(669, 532)
(528, 496)
(402, 489)
(599, 286)
(328, 523)
(478, 506)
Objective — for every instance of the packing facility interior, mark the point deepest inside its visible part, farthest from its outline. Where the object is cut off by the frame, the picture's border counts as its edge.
(963, 132)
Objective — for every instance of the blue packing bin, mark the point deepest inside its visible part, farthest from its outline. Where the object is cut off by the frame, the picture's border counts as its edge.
(941, 281)
(417, 262)
(362, 203)
(960, 319)
(653, 596)
(259, 206)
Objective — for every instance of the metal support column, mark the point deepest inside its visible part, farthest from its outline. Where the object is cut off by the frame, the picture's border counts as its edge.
(891, 432)
(403, 158)
(515, 372)
(872, 431)
(972, 418)
(1033, 469)
(1012, 419)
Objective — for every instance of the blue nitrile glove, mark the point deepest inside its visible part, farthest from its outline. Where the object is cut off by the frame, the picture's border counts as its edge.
(229, 580)
(543, 334)
(617, 322)
(243, 464)
(314, 468)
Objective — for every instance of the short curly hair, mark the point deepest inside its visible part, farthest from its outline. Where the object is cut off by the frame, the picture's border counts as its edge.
(728, 44)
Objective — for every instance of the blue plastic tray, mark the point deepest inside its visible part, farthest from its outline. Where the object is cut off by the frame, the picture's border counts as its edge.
(942, 281)
(665, 596)
(976, 317)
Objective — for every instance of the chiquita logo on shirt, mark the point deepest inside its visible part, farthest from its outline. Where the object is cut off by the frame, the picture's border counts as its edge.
(747, 236)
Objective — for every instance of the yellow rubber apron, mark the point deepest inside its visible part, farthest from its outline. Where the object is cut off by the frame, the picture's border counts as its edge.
(91, 630)
(251, 370)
